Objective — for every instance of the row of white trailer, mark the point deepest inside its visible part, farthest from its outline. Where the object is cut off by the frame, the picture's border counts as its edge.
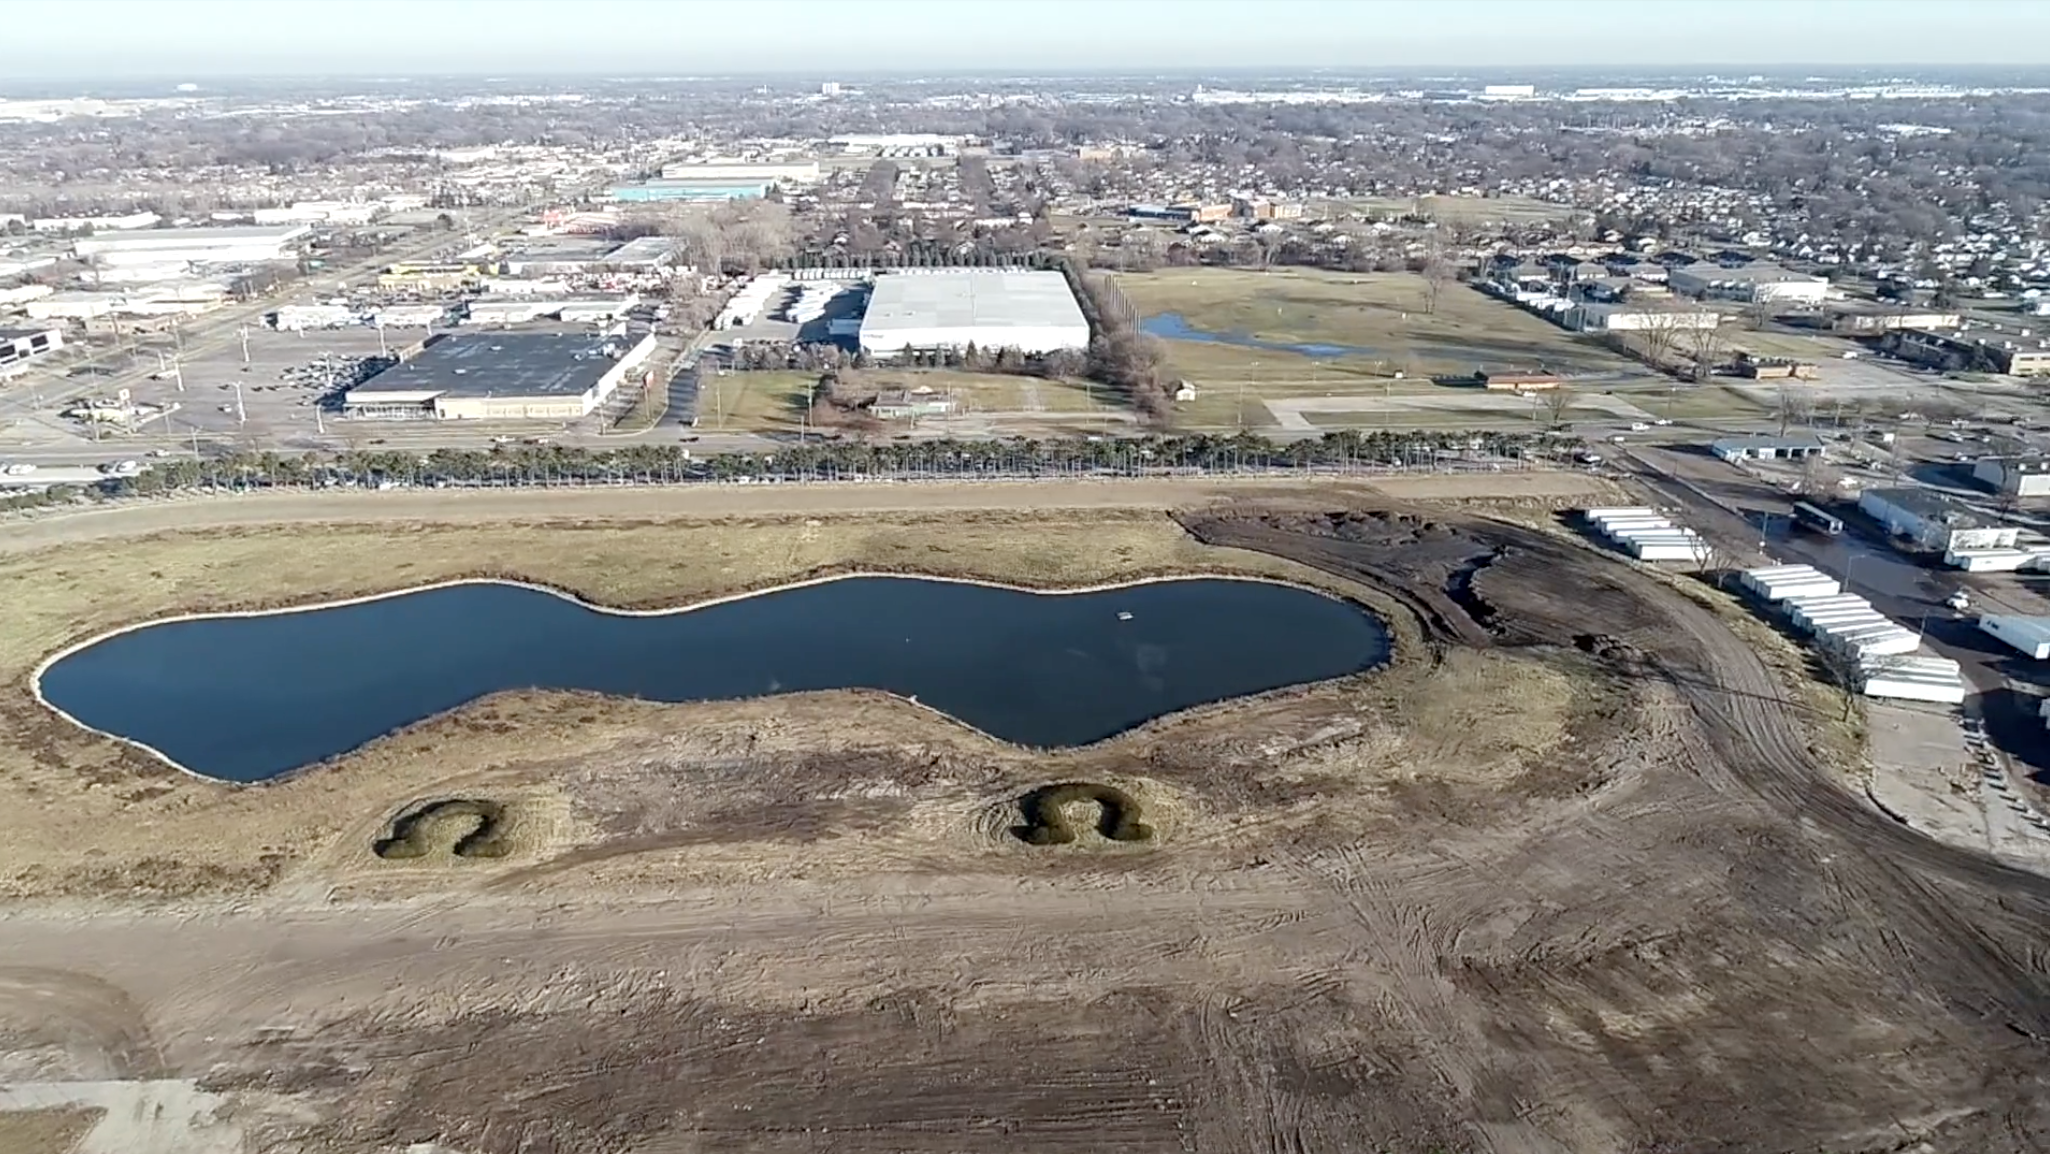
(2020, 557)
(1889, 657)
(746, 306)
(1647, 535)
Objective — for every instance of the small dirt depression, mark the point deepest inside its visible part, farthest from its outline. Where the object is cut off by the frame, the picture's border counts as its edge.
(460, 827)
(1053, 815)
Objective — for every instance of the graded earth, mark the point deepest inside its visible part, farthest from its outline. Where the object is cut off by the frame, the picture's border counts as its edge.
(1578, 870)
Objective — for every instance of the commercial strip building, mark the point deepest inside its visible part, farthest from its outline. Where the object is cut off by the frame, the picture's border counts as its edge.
(1751, 283)
(1766, 448)
(1952, 354)
(253, 244)
(687, 190)
(501, 376)
(1595, 317)
(793, 172)
(1032, 311)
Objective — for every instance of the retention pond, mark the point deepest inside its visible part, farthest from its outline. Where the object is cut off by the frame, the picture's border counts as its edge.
(1176, 327)
(249, 697)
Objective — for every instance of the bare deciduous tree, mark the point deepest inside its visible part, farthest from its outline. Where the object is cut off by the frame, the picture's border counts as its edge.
(1556, 401)
(1659, 333)
(1705, 348)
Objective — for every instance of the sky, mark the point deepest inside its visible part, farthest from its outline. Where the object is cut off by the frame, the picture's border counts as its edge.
(198, 39)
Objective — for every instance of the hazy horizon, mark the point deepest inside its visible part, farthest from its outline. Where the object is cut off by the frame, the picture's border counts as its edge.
(196, 40)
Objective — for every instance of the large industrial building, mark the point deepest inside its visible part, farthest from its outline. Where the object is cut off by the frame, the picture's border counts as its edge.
(501, 377)
(1034, 312)
(1751, 283)
(255, 244)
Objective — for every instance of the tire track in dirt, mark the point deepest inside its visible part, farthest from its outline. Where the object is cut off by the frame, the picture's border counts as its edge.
(102, 1029)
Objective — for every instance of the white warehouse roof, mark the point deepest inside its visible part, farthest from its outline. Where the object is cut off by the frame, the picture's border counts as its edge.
(990, 308)
(150, 238)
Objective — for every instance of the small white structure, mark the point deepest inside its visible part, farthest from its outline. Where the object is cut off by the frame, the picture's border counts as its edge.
(1789, 582)
(1875, 639)
(298, 318)
(1913, 677)
(1933, 521)
(2028, 635)
(1801, 609)
(1989, 560)
(409, 316)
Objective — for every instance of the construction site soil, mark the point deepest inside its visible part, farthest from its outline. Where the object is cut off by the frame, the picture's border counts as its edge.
(1575, 872)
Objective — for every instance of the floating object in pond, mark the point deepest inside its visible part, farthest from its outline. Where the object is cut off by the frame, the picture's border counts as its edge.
(1123, 616)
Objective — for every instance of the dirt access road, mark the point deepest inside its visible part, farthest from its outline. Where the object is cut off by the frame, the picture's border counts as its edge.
(428, 505)
(1572, 876)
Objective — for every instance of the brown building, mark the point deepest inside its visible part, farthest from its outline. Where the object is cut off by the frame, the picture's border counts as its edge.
(2018, 358)
(1520, 382)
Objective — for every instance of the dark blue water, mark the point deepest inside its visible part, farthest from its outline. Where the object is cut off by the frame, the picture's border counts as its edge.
(248, 698)
(1175, 327)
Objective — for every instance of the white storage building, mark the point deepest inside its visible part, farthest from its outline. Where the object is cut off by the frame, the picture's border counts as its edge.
(1914, 677)
(255, 244)
(1784, 582)
(2028, 635)
(1032, 311)
(1752, 282)
(1934, 521)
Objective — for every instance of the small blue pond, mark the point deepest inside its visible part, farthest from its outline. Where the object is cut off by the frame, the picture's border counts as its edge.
(1175, 327)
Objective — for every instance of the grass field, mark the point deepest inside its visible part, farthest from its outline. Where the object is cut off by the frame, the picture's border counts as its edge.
(1381, 314)
(1458, 209)
(775, 401)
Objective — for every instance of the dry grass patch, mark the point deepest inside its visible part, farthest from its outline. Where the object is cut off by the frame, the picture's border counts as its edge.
(90, 815)
(45, 1131)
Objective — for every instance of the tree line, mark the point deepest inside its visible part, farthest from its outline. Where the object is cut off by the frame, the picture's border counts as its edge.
(817, 460)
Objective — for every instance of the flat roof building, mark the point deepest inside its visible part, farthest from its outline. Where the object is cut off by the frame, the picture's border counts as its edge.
(1934, 521)
(1952, 354)
(253, 244)
(19, 345)
(1033, 312)
(1755, 283)
(743, 171)
(502, 376)
(1766, 448)
(2015, 476)
(658, 190)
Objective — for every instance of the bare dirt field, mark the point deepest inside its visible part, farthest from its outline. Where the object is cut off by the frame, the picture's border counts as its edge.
(1573, 873)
